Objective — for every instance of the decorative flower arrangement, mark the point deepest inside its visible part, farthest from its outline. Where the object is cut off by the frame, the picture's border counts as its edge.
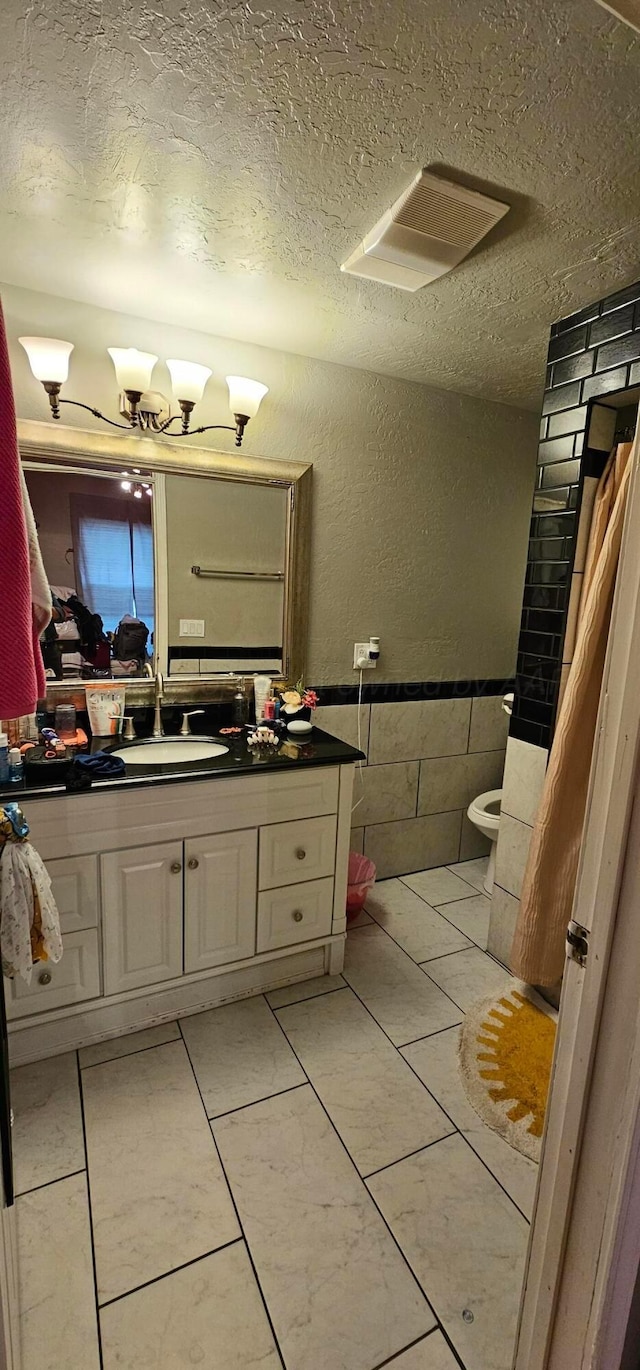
(299, 702)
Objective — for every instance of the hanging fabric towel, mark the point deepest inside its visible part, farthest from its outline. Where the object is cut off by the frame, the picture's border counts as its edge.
(25, 603)
(29, 918)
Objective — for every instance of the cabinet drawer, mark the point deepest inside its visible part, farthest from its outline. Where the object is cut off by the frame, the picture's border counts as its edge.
(294, 914)
(291, 852)
(75, 889)
(75, 978)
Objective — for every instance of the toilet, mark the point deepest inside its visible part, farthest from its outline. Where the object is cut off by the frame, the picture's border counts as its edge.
(484, 812)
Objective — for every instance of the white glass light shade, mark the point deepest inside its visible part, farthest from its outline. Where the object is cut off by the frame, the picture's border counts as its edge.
(245, 395)
(48, 358)
(188, 379)
(133, 368)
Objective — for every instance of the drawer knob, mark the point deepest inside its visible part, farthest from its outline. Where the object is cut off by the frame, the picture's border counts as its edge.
(297, 915)
(300, 853)
(193, 863)
(175, 867)
(44, 977)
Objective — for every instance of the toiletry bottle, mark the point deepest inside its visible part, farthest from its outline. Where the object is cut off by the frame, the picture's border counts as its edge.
(239, 712)
(261, 690)
(4, 759)
(16, 765)
(269, 709)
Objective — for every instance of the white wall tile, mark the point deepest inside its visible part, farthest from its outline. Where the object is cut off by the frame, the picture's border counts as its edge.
(489, 724)
(502, 924)
(524, 772)
(413, 844)
(473, 843)
(342, 721)
(511, 857)
(389, 792)
(429, 727)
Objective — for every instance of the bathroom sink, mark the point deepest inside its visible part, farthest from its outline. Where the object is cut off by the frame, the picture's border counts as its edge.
(169, 751)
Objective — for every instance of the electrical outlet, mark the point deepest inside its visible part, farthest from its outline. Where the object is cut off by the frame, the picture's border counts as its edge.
(361, 649)
(191, 627)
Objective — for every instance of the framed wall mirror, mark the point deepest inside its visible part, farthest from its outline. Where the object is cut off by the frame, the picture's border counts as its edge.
(160, 558)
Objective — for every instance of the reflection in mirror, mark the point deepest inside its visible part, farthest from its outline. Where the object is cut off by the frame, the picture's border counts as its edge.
(226, 561)
(96, 539)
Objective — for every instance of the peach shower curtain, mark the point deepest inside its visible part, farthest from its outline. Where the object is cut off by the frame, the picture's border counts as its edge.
(538, 951)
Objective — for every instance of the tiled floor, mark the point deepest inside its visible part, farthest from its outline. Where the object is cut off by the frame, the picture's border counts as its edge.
(293, 1180)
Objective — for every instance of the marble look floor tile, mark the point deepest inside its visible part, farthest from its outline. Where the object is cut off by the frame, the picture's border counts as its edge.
(435, 1060)
(158, 1194)
(470, 916)
(337, 1288)
(398, 994)
(432, 1353)
(465, 1241)
(239, 1055)
(413, 923)
(473, 872)
(437, 886)
(379, 1108)
(360, 921)
(305, 989)
(210, 1315)
(47, 1121)
(58, 1326)
(130, 1042)
(468, 976)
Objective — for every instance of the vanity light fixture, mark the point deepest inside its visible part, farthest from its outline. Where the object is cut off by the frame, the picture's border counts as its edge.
(49, 362)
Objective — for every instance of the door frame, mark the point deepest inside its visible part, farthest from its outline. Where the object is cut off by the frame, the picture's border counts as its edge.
(584, 1247)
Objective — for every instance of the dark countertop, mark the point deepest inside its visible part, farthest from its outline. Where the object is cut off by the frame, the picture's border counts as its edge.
(319, 749)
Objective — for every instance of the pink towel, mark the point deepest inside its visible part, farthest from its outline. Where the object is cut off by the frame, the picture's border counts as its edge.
(24, 612)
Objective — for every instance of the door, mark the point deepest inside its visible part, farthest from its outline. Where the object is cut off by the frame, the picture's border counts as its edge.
(141, 916)
(220, 899)
(556, 1288)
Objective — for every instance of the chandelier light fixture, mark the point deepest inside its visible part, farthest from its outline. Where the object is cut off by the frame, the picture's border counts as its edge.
(144, 408)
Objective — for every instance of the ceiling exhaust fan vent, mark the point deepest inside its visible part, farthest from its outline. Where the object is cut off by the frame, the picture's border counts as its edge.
(428, 230)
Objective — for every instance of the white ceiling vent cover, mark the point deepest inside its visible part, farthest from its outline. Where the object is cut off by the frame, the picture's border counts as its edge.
(428, 230)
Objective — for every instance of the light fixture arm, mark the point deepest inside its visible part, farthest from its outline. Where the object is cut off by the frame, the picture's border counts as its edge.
(57, 400)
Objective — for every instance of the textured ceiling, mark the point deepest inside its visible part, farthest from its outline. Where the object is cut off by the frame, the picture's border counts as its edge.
(211, 164)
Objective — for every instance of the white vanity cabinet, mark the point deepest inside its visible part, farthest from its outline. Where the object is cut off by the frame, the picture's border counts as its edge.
(179, 896)
(141, 916)
(220, 899)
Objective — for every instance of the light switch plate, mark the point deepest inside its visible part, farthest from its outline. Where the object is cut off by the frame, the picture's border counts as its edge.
(191, 627)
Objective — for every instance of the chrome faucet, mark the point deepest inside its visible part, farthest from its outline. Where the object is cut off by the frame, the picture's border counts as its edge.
(157, 719)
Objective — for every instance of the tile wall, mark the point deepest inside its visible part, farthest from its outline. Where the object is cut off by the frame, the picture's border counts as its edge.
(592, 354)
(426, 760)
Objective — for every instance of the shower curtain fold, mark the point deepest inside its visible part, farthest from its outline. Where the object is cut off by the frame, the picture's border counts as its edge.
(538, 950)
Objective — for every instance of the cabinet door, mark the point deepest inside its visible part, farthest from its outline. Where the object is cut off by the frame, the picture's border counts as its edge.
(75, 889)
(141, 916)
(220, 899)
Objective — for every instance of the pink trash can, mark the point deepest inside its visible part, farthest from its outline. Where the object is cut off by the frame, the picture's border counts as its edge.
(361, 879)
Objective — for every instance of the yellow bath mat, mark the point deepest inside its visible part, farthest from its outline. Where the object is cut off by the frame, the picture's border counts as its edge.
(506, 1050)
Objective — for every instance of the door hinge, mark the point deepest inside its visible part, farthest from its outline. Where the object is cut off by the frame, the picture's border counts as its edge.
(577, 942)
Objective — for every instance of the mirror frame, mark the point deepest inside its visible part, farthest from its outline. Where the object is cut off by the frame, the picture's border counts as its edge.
(79, 449)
